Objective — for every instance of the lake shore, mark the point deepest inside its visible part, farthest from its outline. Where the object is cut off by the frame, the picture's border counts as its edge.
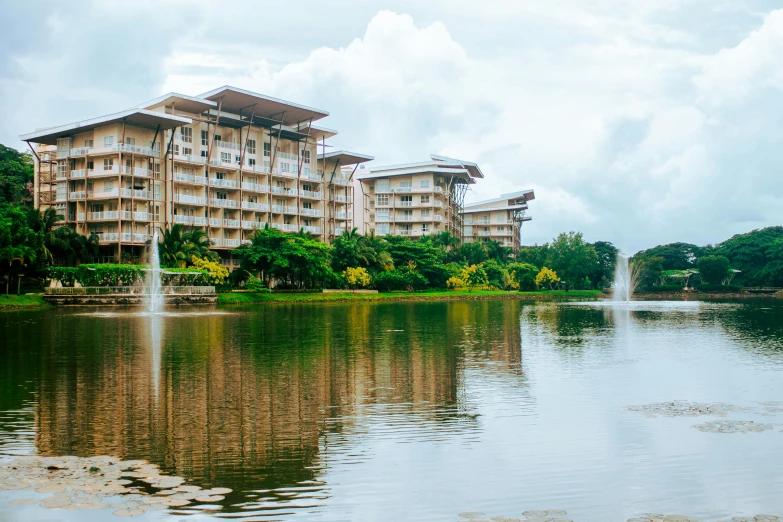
(22, 302)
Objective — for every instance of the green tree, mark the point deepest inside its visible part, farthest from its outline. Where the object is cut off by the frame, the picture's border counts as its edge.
(607, 260)
(470, 253)
(649, 270)
(20, 245)
(497, 275)
(757, 254)
(16, 177)
(572, 258)
(497, 252)
(713, 269)
(524, 274)
(473, 276)
(675, 256)
(178, 246)
(355, 250)
(547, 278)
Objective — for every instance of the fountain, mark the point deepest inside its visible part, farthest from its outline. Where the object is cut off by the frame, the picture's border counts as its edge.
(624, 280)
(154, 278)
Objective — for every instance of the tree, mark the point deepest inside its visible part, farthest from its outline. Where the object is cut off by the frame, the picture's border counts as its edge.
(357, 277)
(16, 177)
(20, 245)
(524, 275)
(355, 250)
(217, 273)
(547, 278)
(675, 256)
(497, 251)
(473, 276)
(572, 258)
(648, 270)
(179, 246)
(713, 269)
(497, 275)
(470, 253)
(757, 254)
(607, 260)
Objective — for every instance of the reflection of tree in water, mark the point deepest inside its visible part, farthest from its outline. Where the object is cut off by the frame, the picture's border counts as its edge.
(756, 325)
(248, 401)
(567, 326)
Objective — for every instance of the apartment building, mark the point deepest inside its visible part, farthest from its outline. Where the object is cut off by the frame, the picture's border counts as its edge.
(498, 219)
(227, 161)
(416, 199)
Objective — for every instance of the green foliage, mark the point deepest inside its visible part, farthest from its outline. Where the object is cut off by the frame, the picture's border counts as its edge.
(99, 275)
(663, 288)
(215, 272)
(524, 274)
(572, 258)
(607, 261)
(497, 275)
(404, 278)
(757, 254)
(16, 177)
(357, 277)
(355, 250)
(649, 270)
(719, 289)
(713, 269)
(547, 278)
(179, 246)
(254, 284)
(474, 275)
(675, 256)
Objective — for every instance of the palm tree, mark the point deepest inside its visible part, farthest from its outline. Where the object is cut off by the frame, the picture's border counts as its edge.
(178, 246)
(446, 239)
(497, 251)
(44, 222)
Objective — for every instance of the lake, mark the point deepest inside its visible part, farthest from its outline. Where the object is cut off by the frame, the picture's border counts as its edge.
(412, 411)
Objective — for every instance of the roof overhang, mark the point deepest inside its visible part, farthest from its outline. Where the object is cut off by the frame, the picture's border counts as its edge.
(471, 167)
(180, 102)
(342, 157)
(233, 99)
(136, 117)
(459, 174)
(473, 210)
(317, 133)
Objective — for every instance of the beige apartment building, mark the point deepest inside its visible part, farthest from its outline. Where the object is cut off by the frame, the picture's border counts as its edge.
(227, 161)
(416, 199)
(497, 219)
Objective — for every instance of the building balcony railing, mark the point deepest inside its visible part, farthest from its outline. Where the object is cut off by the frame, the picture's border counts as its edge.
(249, 205)
(408, 190)
(312, 229)
(311, 177)
(231, 223)
(343, 215)
(284, 191)
(403, 218)
(77, 194)
(311, 212)
(189, 178)
(261, 169)
(286, 227)
(190, 158)
(284, 209)
(78, 173)
(227, 145)
(288, 156)
(254, 187)
(342, 199)
(109, 237)
(339, 180)
(338, 231)
(217, 162)
(103, 216)
(225, 183)
(251, 225)
(224, 203)
(190, 220)
(310, 194)
(215, 222)
(189, 200)
(135, 171)
(80, 151)
(437, 217)
(403, 233)
(232, 242)
(484, 233)
(277, 171)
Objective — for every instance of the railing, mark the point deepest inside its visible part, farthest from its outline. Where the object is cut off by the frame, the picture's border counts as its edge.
(311, 229)
(254, 187)
(193, 200)
(285, 228)
(284, 190)
(135, 149)
(339, 180)
(136, 171)
(190, 158)
(277, 171)
(231, 242)
(79, 194)
(311, 177)
(343, 215)
(260, 168)
(189, 178)
(311, 212)
(80, 151)
(403, 218)
(284, 209)
(141, 194)
(215, 222)
(342, 199)
(225, 203)
(403, 232)
(288, 156)
(338, 231)
(216, 241)
(436, 217)
(233, 223)
(310, 194)
(382, 219)
(405, 204)
(484, 233)
(227, 183)
(227, 145)
(80, 216)
(252, 224)
(190, 220)
(130, 290)
(263, 207)
(438, 203)
(99, 216)
(79, 173)
(217, 162)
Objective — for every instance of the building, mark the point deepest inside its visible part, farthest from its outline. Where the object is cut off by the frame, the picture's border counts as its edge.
(416, 199)
(497, 219)
(227, 161)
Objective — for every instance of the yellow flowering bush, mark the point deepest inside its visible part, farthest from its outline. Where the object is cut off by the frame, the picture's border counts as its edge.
(357, 277)
(547, 277)
(217, 272)
(452, 283)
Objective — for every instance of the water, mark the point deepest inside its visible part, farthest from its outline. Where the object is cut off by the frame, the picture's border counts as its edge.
(154, 277)
(624, 280)
(409, 411)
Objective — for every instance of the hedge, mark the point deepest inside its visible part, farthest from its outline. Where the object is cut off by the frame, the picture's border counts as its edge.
(123, 275)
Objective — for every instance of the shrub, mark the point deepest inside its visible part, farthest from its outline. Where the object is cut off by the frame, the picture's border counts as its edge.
(65, 274)
(254, 284)
(452, 283)
(357, 277)
(400, 279)
(216, 273)
(547, 277)
(719, 289)
(497, 275)
(662, 288)
(713, 269)
(185, 277)
(524, 275)
(474, 275)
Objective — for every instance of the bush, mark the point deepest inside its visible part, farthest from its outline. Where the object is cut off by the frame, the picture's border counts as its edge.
(254, 284)
(524, 275)
(713, 269)
(497, 275)
(357, 277)
(216, 273)
(99, 275)
(719, 289)
(452, 283)
(547, 277)
(400, 279)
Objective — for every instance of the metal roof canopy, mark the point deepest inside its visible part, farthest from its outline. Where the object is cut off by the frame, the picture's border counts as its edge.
(181, 102)
(511, 198)
(235, 100)
(473, 210)
(471, 167)
(318, 133)
(136, 117)
(459, 174)
(347, 158)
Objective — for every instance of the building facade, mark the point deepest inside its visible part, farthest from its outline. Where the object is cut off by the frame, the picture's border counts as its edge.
(497, 219)
(416, 199)
(227, 161)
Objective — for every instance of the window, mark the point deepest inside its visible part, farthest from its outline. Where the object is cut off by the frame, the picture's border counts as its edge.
(425, 228)
(108, 164)
(307, 204)
(218, 137)
(176, 149)
(500, 219)
(382, 185)
(280, 184)
(406, 184)
(382, 229)
(108, 186)
(383, 214)
(251, 162)
(285, 167)
(425, 212)
(267, 149)
(407, 214)
(204, 138)
(251, 146)
(237, 159)
(187, 151)
(108, 141)
(306, 187)
(156, 170)
(425, 183)
(425, 200)
(306, 156)
(225, 156)
(90, 165)
(381, 199)
(222, 195)
(88, 143)
(203, 154)
(186, 134)
(130, 141)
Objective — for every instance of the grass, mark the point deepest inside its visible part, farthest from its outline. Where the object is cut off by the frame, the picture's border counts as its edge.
(431, 295)
(18, 302)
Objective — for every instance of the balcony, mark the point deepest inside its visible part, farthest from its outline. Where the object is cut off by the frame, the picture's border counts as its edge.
(383, 218)
(181, 177)
(284, 209)
(285, 227)
(403, 232)
(437, 203)
(285, 173)
(338, 231)
(403, 217)
(339, 180)
(190, 220)
(103, 171)
(343, 215)
(232, 242)
(284, 191)
(310, 194)
(228, 145)
(134, 193)
(108, 237)
(311, 229)
(261, 207)
(288, 156)
(216, 241)
(404, 203)
(215, 222)
(190, 158)
(223, 203)
(224, 183)
(216, 162)
(77, 194)
(231, 223)
(341, 199)
(254, 187)
(189, 200)
(436, 217)
(311, 212)
(484, 233)
(78, 173)
(252, 225)
(136, 171)
(103, 216)
(80, 151)
(311, 177)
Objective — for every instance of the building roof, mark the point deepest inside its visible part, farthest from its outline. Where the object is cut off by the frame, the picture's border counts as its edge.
(317, 133)
(462, 171)
(472, 168)
(510, 198)
(235, 99)
(135, 117)
(181, 101)
(342, 157)
(472, 210)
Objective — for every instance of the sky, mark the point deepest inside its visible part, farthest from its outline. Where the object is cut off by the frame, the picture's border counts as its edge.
(639, 123)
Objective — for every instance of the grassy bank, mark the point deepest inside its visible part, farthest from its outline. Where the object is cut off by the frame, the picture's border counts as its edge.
(19, 302)
(444, 295)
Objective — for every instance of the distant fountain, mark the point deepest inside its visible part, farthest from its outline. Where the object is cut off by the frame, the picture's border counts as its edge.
(154, 277)
(624, 280)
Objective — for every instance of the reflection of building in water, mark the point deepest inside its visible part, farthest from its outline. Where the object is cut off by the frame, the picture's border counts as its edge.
(244, 400)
